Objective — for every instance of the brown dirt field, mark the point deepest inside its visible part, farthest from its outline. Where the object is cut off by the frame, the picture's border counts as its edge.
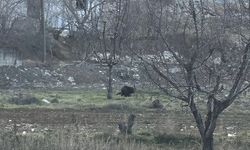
(99, 121)
(64, 116)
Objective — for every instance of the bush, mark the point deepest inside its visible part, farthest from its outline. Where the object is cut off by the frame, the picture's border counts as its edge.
(24, 100)
(119, 107)
(67, 140)
(175, 139)
(54, 100)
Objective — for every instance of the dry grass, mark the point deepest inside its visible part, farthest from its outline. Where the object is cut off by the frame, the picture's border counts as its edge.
(72, 139)
(67, 140)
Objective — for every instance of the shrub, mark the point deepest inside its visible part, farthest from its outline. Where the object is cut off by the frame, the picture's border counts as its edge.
(175, 139)
(54, 100)
(24, 100)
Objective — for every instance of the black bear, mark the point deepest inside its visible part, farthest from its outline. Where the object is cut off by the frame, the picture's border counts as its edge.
(126, 91)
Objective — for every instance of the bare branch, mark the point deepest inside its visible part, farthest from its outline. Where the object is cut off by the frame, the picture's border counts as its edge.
(232, 93)
(165, 90)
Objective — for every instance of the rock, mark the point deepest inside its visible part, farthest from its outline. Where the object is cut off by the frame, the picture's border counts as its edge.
(157, 104)
(231, 134)
(24, 133)
(47, 73)
(71, 79)
(46, 101)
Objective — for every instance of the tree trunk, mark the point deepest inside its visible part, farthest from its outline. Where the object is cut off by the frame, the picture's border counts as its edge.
(207, 128)
(42, 30)
(207, 143)
(110, 89)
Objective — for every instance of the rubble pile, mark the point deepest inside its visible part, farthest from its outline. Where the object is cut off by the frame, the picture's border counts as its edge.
(49, 76)
(62, 75)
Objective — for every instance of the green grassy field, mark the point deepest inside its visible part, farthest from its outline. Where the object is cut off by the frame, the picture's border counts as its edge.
(77, 98)
(171, 128)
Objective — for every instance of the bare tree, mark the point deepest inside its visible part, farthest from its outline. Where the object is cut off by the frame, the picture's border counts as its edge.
(115, 14)
(9, 14)
(210, 63)
(82, 20)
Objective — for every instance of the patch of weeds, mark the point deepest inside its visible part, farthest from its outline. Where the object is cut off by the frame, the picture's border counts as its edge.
(104, 136)
(144, 133)
(115, 106)
(119, 98)
(55, 96)
(24, 100)
(146, 122)
(79, 100)
(2, 105)
(119, 107)
(175, 139)
(147, 139)
(121, 138)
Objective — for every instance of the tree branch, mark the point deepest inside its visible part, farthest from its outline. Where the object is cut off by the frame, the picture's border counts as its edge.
(232, 93)
(165, 90)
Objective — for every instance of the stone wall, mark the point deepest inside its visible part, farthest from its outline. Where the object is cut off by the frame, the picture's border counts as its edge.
(10, 57)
